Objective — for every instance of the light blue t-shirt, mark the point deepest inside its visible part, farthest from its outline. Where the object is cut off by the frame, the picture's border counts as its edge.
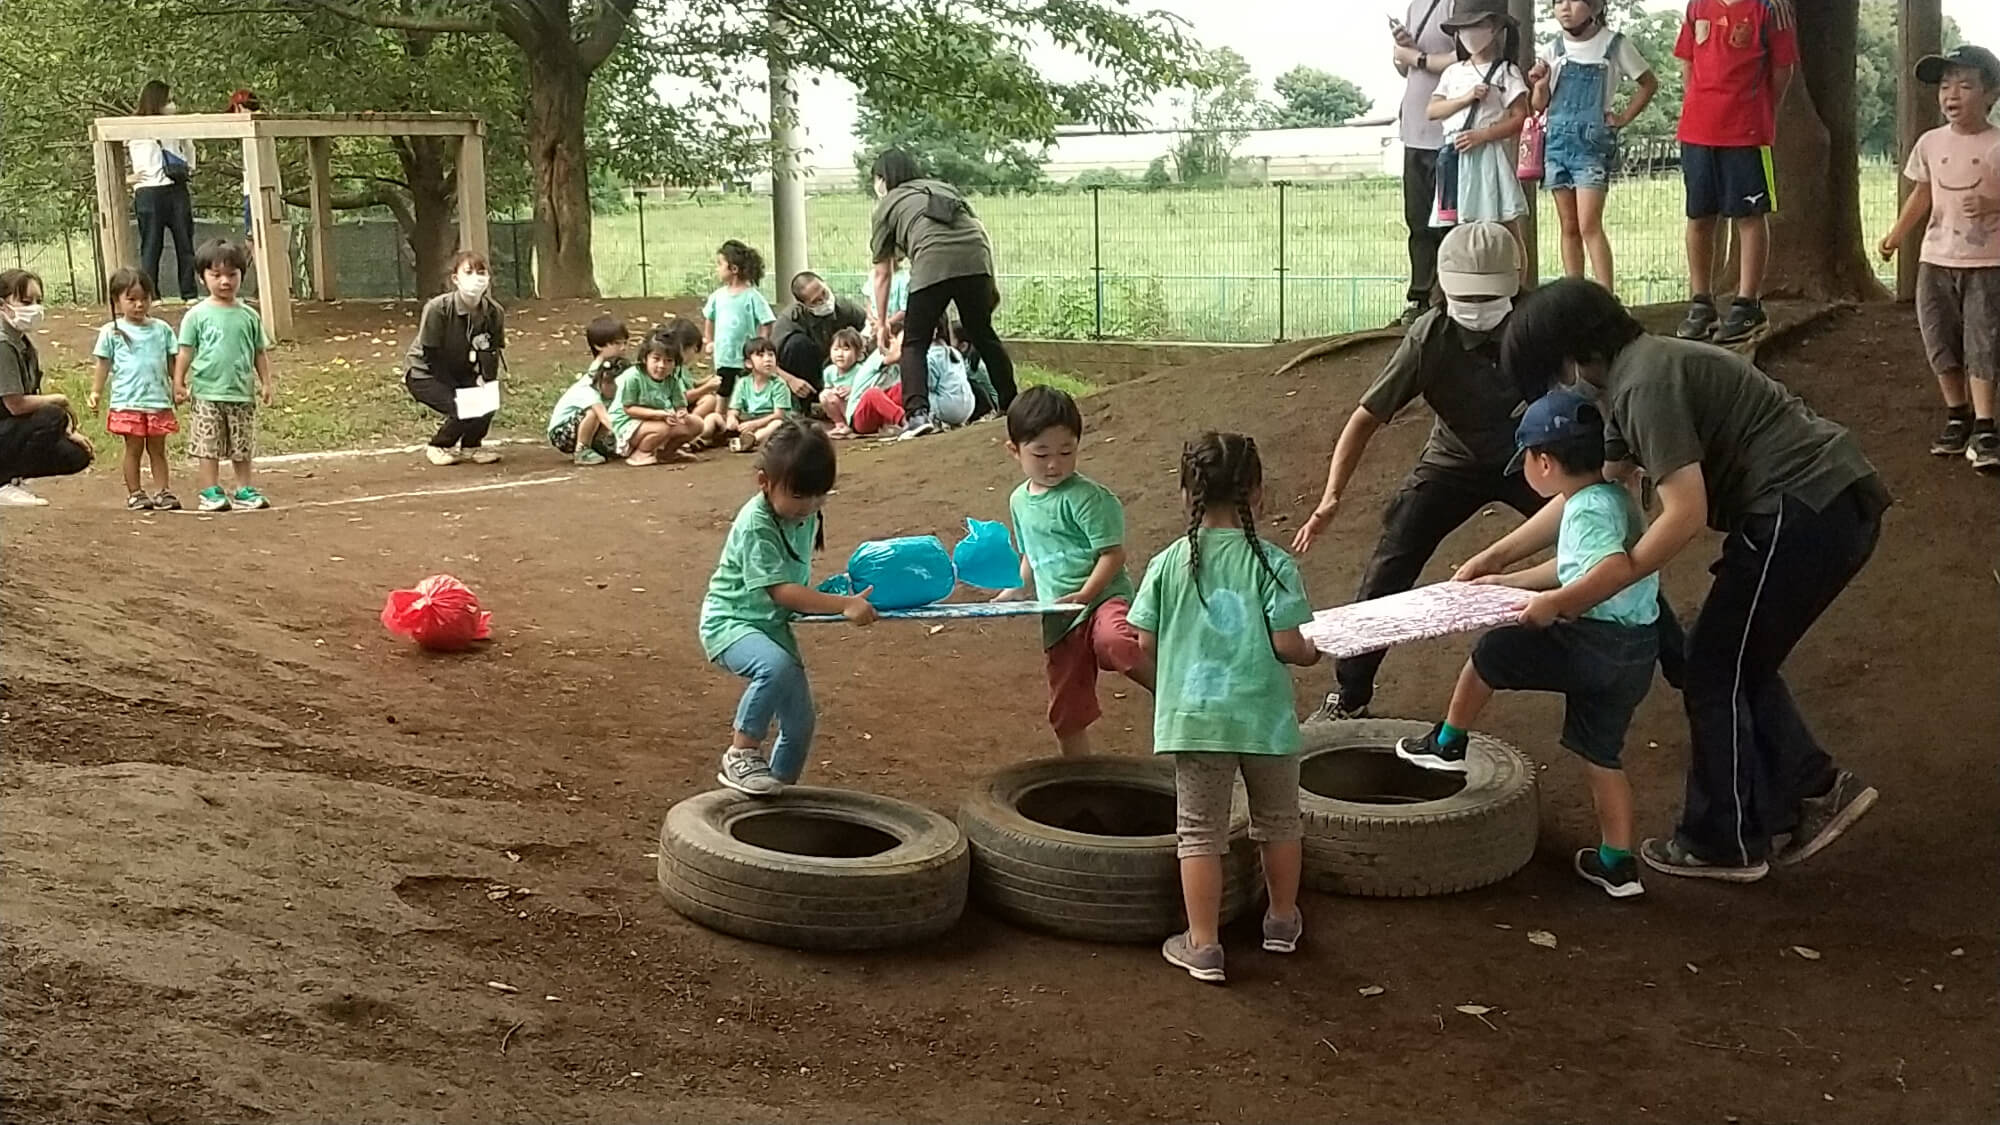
(1598, 522)
(580, 397)
(141, 358)
(737, 316)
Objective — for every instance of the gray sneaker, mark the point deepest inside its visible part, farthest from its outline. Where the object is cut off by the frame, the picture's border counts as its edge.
(748, 773)
(1281, 935)
(1201, 963)
(1668, 857)
(1334, 711)
(1823, 819)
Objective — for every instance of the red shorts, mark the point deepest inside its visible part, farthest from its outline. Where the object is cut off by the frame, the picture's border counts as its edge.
(1105, 640)
(142, 423)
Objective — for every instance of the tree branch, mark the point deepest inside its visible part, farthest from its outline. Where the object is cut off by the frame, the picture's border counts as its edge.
(392, 21)
(608, 25)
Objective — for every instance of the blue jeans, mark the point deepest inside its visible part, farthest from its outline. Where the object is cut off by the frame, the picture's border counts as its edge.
(778, 689)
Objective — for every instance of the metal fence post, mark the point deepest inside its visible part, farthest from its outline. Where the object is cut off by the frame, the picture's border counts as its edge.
(1097, 258)
(69, 259)
(645, 287)
(1281, 258)
(514, 236)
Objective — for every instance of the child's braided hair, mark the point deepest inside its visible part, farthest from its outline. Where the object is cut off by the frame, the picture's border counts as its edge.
(1218, 469)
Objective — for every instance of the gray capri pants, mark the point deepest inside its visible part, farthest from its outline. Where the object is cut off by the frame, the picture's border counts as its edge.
(1205, 782)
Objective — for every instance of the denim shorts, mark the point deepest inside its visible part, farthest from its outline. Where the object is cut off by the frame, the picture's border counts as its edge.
(1602, 670)
(1579, 154)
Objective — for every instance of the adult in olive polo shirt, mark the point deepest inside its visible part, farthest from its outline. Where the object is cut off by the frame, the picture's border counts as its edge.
(1801, 509)
(930, 225)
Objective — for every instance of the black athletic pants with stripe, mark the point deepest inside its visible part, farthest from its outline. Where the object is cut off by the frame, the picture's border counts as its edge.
(1753, 759)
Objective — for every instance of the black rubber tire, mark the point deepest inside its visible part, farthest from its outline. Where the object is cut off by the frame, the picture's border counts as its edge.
(913, 891)
(1475, 837)
(1082, 885)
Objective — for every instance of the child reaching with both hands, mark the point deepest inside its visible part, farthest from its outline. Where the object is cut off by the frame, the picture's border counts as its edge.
(134, 356)
(736, 313)
(1221, 610)
(760, 584)
(1072, 535)
(1483, 101)
(761, 400)
(1598, 651)
(222, 349)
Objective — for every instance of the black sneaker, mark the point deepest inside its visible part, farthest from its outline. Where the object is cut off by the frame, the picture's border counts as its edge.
(1335, 711)
(1699, 323)
(1431, 754)
(139, 502)
(1745, 320)
(1824, 818)
(1952, 440)
(1984, 451)
(1619, 881)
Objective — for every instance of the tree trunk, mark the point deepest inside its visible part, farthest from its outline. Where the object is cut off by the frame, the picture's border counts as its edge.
(557, 89)
(1817, 247)
(428, 225)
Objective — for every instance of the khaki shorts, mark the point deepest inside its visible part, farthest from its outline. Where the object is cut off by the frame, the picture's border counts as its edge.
(1205, 783)
(1958, 311)
(222, 431)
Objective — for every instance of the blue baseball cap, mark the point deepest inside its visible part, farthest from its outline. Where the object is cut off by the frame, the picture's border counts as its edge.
(1556, 416)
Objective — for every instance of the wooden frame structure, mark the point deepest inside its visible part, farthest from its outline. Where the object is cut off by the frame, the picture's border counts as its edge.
(259, 134)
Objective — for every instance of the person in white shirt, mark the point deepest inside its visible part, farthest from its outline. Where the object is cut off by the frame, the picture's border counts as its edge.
(160, 200)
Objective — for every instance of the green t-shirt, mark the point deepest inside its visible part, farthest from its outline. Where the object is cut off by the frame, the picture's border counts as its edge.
(760, 552)
(1598, 522)
(142, 357)
(737, 315)
(752, 401)
(1220, 687)
(854, 380)
(635, 388)
(1062, 532)
(678, 385)
(226, 340)
(581, 396)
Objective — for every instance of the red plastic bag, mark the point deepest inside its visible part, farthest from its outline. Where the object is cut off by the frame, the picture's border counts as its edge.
(441, 614)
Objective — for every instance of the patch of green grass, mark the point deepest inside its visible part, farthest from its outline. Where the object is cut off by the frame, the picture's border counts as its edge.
(1035, 375)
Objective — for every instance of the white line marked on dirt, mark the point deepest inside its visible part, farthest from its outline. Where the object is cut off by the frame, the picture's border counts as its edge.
(434, 492)
(339, 454)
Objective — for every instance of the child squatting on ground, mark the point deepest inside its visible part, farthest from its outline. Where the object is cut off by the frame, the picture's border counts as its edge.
(223, 349)
(761, 401)
(1221, 609)
(1954, 173)
(1587, 635)
(854, 370)
(135, 358)
(1072, 535)
(760, 584)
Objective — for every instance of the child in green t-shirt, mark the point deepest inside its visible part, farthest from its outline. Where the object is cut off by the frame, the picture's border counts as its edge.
(853, 372)
(1224, 702)
(222, 348)
(1591, 634)
(760, 583)
(760, 401)
(649, 406)
(1072, 535)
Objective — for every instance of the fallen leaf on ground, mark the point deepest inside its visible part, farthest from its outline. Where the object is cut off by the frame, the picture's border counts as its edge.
(501, 986)
(1691, 967)
(1542, 938)
(1372, 990)
(1474, 1009)
(1806, 952)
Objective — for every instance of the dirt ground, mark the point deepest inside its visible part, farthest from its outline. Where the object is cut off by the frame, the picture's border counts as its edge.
(264, 859)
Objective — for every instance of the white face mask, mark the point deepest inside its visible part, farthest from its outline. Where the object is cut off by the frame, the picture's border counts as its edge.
(1476, 39)
(1478, 316)
(824, 308)
(24, 316)
(472, 286)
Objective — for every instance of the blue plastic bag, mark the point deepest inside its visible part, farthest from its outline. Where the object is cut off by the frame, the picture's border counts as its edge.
(902, 573)
(985, 557)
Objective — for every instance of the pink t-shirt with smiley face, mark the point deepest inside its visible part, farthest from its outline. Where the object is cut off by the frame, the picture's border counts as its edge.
(1963, 170)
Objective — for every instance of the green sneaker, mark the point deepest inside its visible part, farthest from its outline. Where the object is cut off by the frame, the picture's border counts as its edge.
(212, 499)
(589, 456)
(250, 498)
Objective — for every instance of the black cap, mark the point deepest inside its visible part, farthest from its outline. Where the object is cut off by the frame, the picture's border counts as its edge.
(1930, 68)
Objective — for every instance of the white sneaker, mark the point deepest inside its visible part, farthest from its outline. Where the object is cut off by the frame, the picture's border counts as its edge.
(14, 494)
(484, 456)
(441, 456)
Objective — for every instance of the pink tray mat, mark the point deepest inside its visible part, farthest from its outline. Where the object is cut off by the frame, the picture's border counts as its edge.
(1437, 610)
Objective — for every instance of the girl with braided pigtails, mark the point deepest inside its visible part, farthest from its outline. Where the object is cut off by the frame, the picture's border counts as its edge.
(1223, 700)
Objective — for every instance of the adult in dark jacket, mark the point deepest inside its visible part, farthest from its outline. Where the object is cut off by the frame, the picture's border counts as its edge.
(804, 330)
(37, 438)
(460, 336)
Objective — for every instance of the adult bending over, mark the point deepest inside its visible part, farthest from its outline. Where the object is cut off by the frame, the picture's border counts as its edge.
(459, 339)
(1801, 510)
(160, 201)
(37, 437)
(804, 329)
(951, 263)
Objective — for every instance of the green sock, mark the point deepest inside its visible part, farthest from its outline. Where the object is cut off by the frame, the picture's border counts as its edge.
(1449, 735)
(1610, 857)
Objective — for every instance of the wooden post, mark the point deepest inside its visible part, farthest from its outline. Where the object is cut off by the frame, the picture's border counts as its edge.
(472, 190)
(1523, 12)
(267, 230)
(319, 157)
(1919, 32)
(114, 205)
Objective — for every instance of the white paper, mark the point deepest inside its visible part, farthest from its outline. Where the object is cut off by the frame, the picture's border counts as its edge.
(479, 401)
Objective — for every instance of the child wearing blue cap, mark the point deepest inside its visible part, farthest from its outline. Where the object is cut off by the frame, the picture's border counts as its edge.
(1588, 634)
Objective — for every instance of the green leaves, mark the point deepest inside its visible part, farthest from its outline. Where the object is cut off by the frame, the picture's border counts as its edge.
(1313, 98)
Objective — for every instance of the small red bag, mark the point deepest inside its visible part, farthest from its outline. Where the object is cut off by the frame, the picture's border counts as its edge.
(1533, 162)
(441, 614)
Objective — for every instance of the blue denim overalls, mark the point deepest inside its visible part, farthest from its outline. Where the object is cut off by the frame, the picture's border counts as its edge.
(1581, 150)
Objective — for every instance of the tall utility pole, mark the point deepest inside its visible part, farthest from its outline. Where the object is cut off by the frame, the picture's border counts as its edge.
(788, 184)
(1919, 32)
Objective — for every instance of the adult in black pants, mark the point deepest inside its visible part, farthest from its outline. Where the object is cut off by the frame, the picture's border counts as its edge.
(460, 336)
(951, 264)
(1421, 54)
(1451, 359)
(160, 200)
(38, 437)
(804, 329)
(1801, 510)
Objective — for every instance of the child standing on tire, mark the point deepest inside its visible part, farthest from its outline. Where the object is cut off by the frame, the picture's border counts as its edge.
(760, 584)
(134, 354)
(1221, 610)
(1597, 650)
(1072, 535)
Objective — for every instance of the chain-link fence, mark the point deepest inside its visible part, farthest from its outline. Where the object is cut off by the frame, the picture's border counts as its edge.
(1238, 264)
